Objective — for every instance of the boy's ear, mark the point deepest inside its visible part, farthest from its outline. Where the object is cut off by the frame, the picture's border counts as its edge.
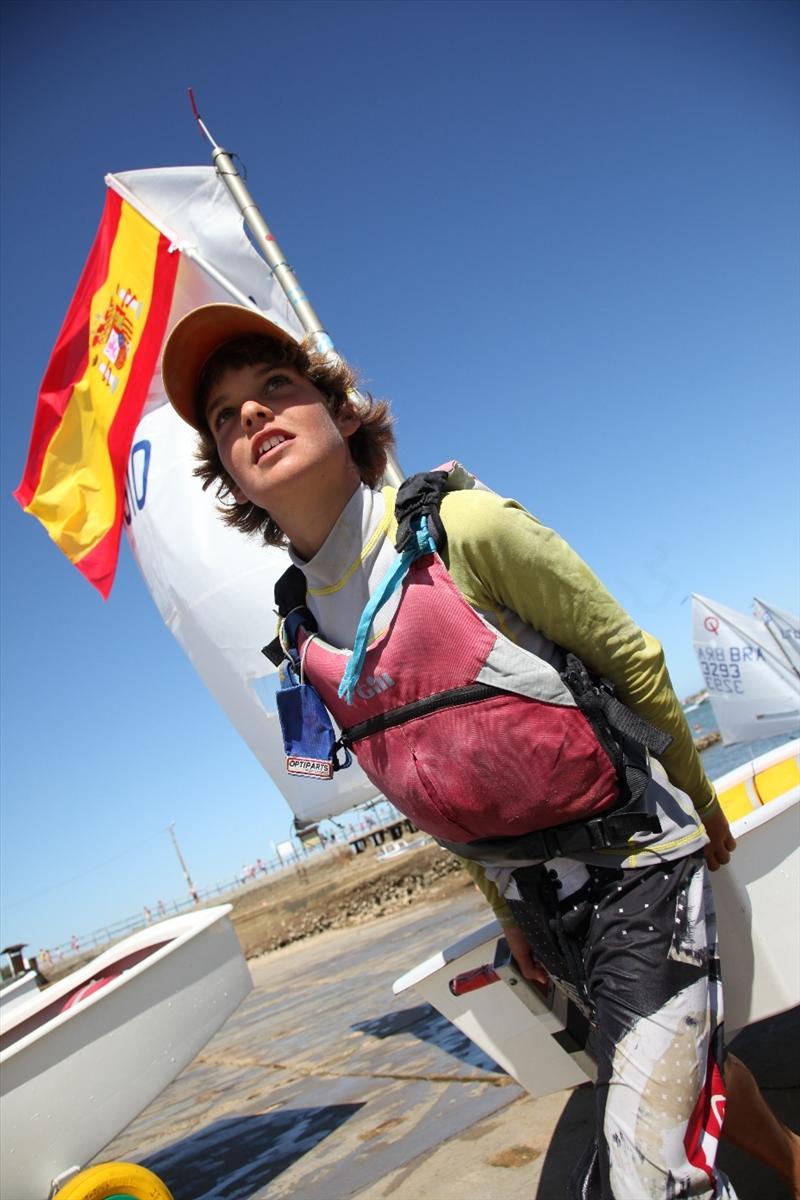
(348, 420)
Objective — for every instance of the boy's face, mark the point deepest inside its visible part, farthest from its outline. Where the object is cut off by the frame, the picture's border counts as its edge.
(276, 437)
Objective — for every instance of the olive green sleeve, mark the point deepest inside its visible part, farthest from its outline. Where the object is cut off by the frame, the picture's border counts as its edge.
(490, 892)
(501, 557)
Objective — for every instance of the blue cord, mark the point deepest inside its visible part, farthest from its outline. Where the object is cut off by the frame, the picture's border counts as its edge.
(392, 580)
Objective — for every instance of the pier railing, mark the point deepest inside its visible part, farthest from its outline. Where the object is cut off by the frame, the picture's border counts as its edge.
(88, 944)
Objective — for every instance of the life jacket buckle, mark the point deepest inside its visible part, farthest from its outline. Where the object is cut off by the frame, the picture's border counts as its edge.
(343, 764)
(550, 842)
(597, 834)
(274, 652)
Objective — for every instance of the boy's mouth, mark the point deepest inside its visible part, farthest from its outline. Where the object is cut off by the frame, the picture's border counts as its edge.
(267, 441)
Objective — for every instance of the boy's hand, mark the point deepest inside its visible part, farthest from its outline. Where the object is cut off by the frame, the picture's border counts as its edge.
(522, 954)
(722, 843)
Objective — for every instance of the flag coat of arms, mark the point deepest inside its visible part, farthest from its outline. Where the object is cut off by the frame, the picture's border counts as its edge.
(94, 389)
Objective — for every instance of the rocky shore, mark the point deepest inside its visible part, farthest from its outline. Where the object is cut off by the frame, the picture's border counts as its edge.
(707, 739)
(336, 889)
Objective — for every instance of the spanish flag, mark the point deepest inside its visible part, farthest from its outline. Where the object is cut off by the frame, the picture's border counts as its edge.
(94, 390)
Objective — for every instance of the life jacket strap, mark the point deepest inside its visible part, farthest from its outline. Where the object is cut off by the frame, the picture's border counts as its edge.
(420, 543)
(420, 496)
(597, 697)
(579, 837)
(290, 601)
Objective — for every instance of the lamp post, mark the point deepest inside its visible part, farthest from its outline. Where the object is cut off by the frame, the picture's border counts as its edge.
(182, 861)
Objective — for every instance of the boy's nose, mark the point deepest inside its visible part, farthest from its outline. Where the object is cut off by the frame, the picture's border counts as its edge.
(253, 412)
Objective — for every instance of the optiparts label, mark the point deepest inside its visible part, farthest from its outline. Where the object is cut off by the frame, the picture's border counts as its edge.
(316, 768)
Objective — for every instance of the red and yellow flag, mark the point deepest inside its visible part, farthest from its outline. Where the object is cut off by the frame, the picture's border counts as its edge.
(94, 389)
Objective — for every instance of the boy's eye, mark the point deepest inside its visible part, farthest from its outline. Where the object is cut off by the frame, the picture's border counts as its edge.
(276, 381)
(221, 416)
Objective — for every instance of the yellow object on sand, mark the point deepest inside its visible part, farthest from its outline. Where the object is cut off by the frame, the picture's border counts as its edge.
(115, 1179)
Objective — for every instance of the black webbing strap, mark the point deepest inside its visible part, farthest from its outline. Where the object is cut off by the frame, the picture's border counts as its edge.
(629, 724)
(579, 837)
(274, 652)
(598, 698)
(290, 600)
(420, 496)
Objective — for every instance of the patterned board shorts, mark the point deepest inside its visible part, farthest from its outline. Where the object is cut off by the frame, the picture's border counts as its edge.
(637, 950)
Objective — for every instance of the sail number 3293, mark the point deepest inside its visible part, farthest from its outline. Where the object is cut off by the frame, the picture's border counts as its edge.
(721, 666)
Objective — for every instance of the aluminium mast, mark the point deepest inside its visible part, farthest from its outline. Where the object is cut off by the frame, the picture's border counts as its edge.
(276, 261)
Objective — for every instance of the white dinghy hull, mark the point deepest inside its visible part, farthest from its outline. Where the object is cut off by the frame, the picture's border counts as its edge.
(21, 989)
(757, 898)
(72, 1080)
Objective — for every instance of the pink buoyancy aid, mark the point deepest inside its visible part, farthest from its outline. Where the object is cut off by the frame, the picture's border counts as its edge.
(494, 743)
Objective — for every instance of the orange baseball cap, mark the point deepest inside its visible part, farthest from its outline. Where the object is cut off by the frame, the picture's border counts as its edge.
(192, 342)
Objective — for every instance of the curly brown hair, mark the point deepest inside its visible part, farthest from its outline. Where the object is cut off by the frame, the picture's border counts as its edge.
(369, 445)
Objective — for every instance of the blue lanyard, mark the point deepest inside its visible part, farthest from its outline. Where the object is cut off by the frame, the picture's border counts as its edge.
(390, 582)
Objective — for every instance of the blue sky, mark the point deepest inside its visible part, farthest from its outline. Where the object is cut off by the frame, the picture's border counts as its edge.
(561, 237)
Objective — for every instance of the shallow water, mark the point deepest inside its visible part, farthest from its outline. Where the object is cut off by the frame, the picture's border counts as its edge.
(718, 760)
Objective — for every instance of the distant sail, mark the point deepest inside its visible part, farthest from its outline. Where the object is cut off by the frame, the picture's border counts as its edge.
(752, 680)
(785, 630)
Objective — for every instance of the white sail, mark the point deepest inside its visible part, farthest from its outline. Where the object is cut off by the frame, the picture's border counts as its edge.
(753, 687)
(784, 628)
(213, 587)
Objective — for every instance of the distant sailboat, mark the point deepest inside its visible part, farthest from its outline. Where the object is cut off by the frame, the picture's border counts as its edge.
(751, 668)
(784, 628)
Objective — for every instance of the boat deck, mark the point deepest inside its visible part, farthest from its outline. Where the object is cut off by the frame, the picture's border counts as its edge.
(323, 1086)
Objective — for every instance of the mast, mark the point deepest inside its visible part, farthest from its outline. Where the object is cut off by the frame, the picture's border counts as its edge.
(768, 626)
(282, 272)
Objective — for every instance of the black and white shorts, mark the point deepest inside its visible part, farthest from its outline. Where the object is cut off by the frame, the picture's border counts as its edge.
(637, 950)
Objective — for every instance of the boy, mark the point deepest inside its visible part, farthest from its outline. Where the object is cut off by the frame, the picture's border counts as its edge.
(590, 850)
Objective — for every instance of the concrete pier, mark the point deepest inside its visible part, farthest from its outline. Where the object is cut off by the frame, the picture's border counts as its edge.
(324, 1086)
